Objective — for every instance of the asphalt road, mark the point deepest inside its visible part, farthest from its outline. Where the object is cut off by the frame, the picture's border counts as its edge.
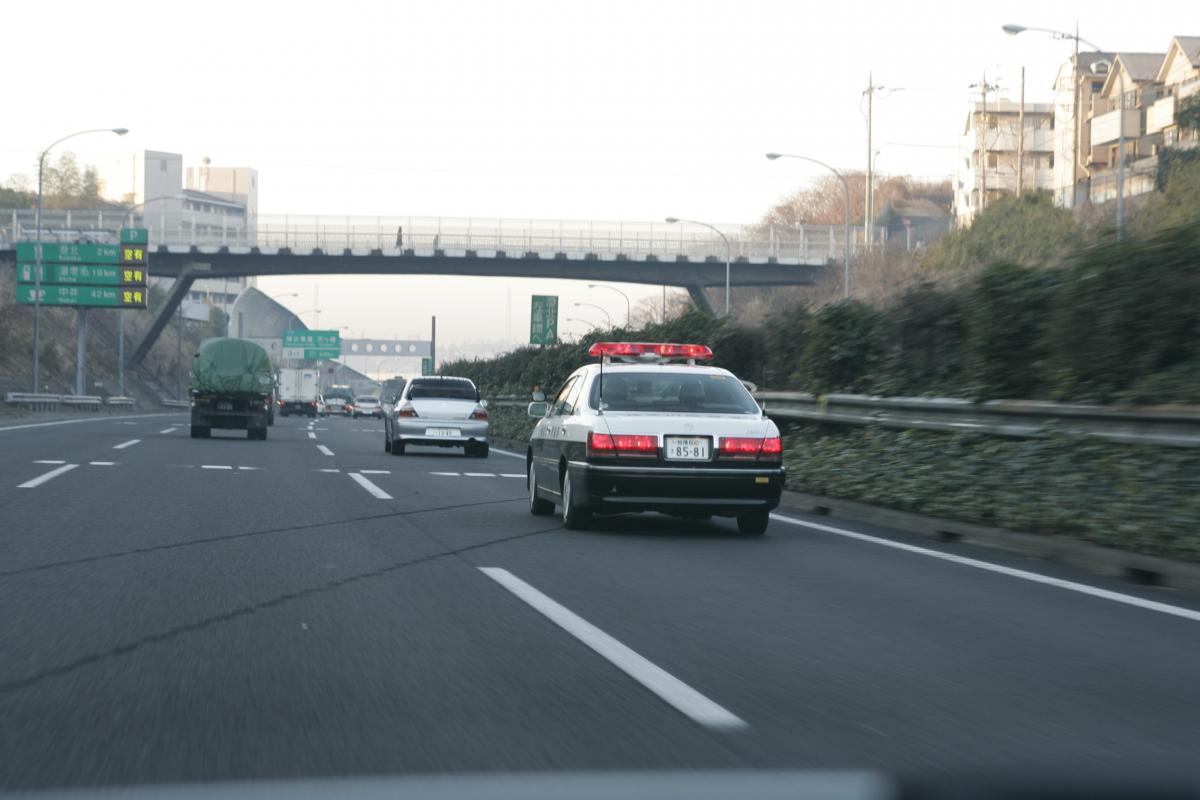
(182, 610)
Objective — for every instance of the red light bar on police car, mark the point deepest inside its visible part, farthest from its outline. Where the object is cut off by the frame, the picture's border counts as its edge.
(700, 352)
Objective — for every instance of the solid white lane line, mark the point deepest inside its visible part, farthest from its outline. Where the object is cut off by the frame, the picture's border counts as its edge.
(324, 449)
(168, 430)
(312, 435)
(329, 470)
(49, 476)
(446, 474)
(1072, 586)
(375, 471)
(49, 461)
(670, 689)
(123, 445)
(215, 466)
(370, 487)
(480, 474)
(74, 422)
(512, 475)
(506, 453)
(102, 463)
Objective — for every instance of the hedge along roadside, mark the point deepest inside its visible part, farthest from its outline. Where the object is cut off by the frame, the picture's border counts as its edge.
(1119, 322)
(1133, 497)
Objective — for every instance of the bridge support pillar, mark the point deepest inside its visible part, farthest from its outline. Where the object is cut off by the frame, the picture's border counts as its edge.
(700, 300)
(179, 290)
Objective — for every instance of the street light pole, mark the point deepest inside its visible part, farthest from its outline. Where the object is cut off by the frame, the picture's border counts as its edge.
(607, 316)
(846, 190)
(37, 251)
(1013, 30)
(728, 250)
(618, 291)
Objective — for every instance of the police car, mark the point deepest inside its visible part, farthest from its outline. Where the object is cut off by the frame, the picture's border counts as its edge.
(651, 428)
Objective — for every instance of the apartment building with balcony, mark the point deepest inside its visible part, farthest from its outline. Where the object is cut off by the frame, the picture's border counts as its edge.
(1155, 84)
(995, 155)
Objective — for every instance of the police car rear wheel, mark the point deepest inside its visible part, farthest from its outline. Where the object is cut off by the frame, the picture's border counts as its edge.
(753, 523)
(537, 506)
(574, 515)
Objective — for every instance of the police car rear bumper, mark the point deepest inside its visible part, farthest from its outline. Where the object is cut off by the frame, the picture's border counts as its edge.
(678, 489)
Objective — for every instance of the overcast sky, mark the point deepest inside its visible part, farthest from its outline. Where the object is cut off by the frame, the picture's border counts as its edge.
(600, 110)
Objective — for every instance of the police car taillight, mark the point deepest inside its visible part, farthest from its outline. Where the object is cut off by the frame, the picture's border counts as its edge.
(768, 448)
(697, 352)
(603, 444)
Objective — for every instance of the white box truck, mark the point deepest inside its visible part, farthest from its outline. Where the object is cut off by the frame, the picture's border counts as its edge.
(298, 390)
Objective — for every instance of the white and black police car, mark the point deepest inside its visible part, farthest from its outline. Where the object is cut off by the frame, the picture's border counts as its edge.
(651, 428)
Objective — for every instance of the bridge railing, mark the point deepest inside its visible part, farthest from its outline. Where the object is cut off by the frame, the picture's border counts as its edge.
(637, 240)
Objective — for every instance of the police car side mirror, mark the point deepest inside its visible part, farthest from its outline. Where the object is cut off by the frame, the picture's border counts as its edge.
(537, 409)
(539, 397)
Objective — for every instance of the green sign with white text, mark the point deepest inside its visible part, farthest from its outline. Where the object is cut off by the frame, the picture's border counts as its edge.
(67, 253)
(312, 344)
(102, 296)
(83, 274)
(543, 319)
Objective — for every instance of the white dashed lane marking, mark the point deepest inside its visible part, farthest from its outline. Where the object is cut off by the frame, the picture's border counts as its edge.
(102, 463)
(671, 690)
(168, 430)
(312, 435)
(365, 483)
(375, 471)
(215, 466)
(123, 445)
(49, 461)
(49, 476)
(480, 474)
(324, 449)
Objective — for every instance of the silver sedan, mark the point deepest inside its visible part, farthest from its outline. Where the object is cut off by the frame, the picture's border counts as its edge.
(439, 412)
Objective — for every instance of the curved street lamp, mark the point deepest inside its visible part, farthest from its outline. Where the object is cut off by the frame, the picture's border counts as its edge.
(37, 260)
(618, 291)
(598, 308)
(1013, 30)
(846, 190)
(728, 250)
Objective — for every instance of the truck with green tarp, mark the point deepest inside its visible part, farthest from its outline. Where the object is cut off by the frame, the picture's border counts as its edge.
(231, 383)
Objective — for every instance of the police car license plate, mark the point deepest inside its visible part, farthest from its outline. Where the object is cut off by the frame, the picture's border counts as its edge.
(432, 432)
(687, 448)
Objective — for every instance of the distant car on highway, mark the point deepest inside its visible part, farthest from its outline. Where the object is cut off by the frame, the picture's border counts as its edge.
(339, 402)
(649, 428)
(367, 406)
(440, 411)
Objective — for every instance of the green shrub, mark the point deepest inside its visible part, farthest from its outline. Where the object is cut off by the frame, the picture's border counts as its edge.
(844, 349)
(1007, 323)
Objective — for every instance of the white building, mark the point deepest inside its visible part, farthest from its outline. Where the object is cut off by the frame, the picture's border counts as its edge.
(991, 161)
(218, 205)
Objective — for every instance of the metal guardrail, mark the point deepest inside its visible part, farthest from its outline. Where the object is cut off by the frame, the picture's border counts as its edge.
(82, 400)
(120, 401)
(1160, 426)
(176, 403)
(36, 402)
(1167, 426)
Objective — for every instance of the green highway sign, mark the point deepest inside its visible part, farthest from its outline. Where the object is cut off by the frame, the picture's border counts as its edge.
(104, 296)
(135, 236)
(83, 274)
(312, 344)
(543, 319)
(426, 366)
(66, 253)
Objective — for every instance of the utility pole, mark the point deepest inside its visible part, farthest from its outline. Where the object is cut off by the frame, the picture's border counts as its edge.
(1021, 140)
(981, 141)
(869, 211)
(1077, 121)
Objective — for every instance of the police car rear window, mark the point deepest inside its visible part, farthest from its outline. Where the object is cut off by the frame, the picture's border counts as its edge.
(673, 392)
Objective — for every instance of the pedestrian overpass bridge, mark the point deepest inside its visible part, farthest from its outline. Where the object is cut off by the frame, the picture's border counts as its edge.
(684, 255)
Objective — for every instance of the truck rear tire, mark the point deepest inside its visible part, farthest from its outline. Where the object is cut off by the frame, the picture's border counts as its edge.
(256, 433)
(201, 432)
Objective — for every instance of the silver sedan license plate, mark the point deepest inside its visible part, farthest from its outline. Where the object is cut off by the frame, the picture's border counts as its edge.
(434, 432)
(687, 448)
